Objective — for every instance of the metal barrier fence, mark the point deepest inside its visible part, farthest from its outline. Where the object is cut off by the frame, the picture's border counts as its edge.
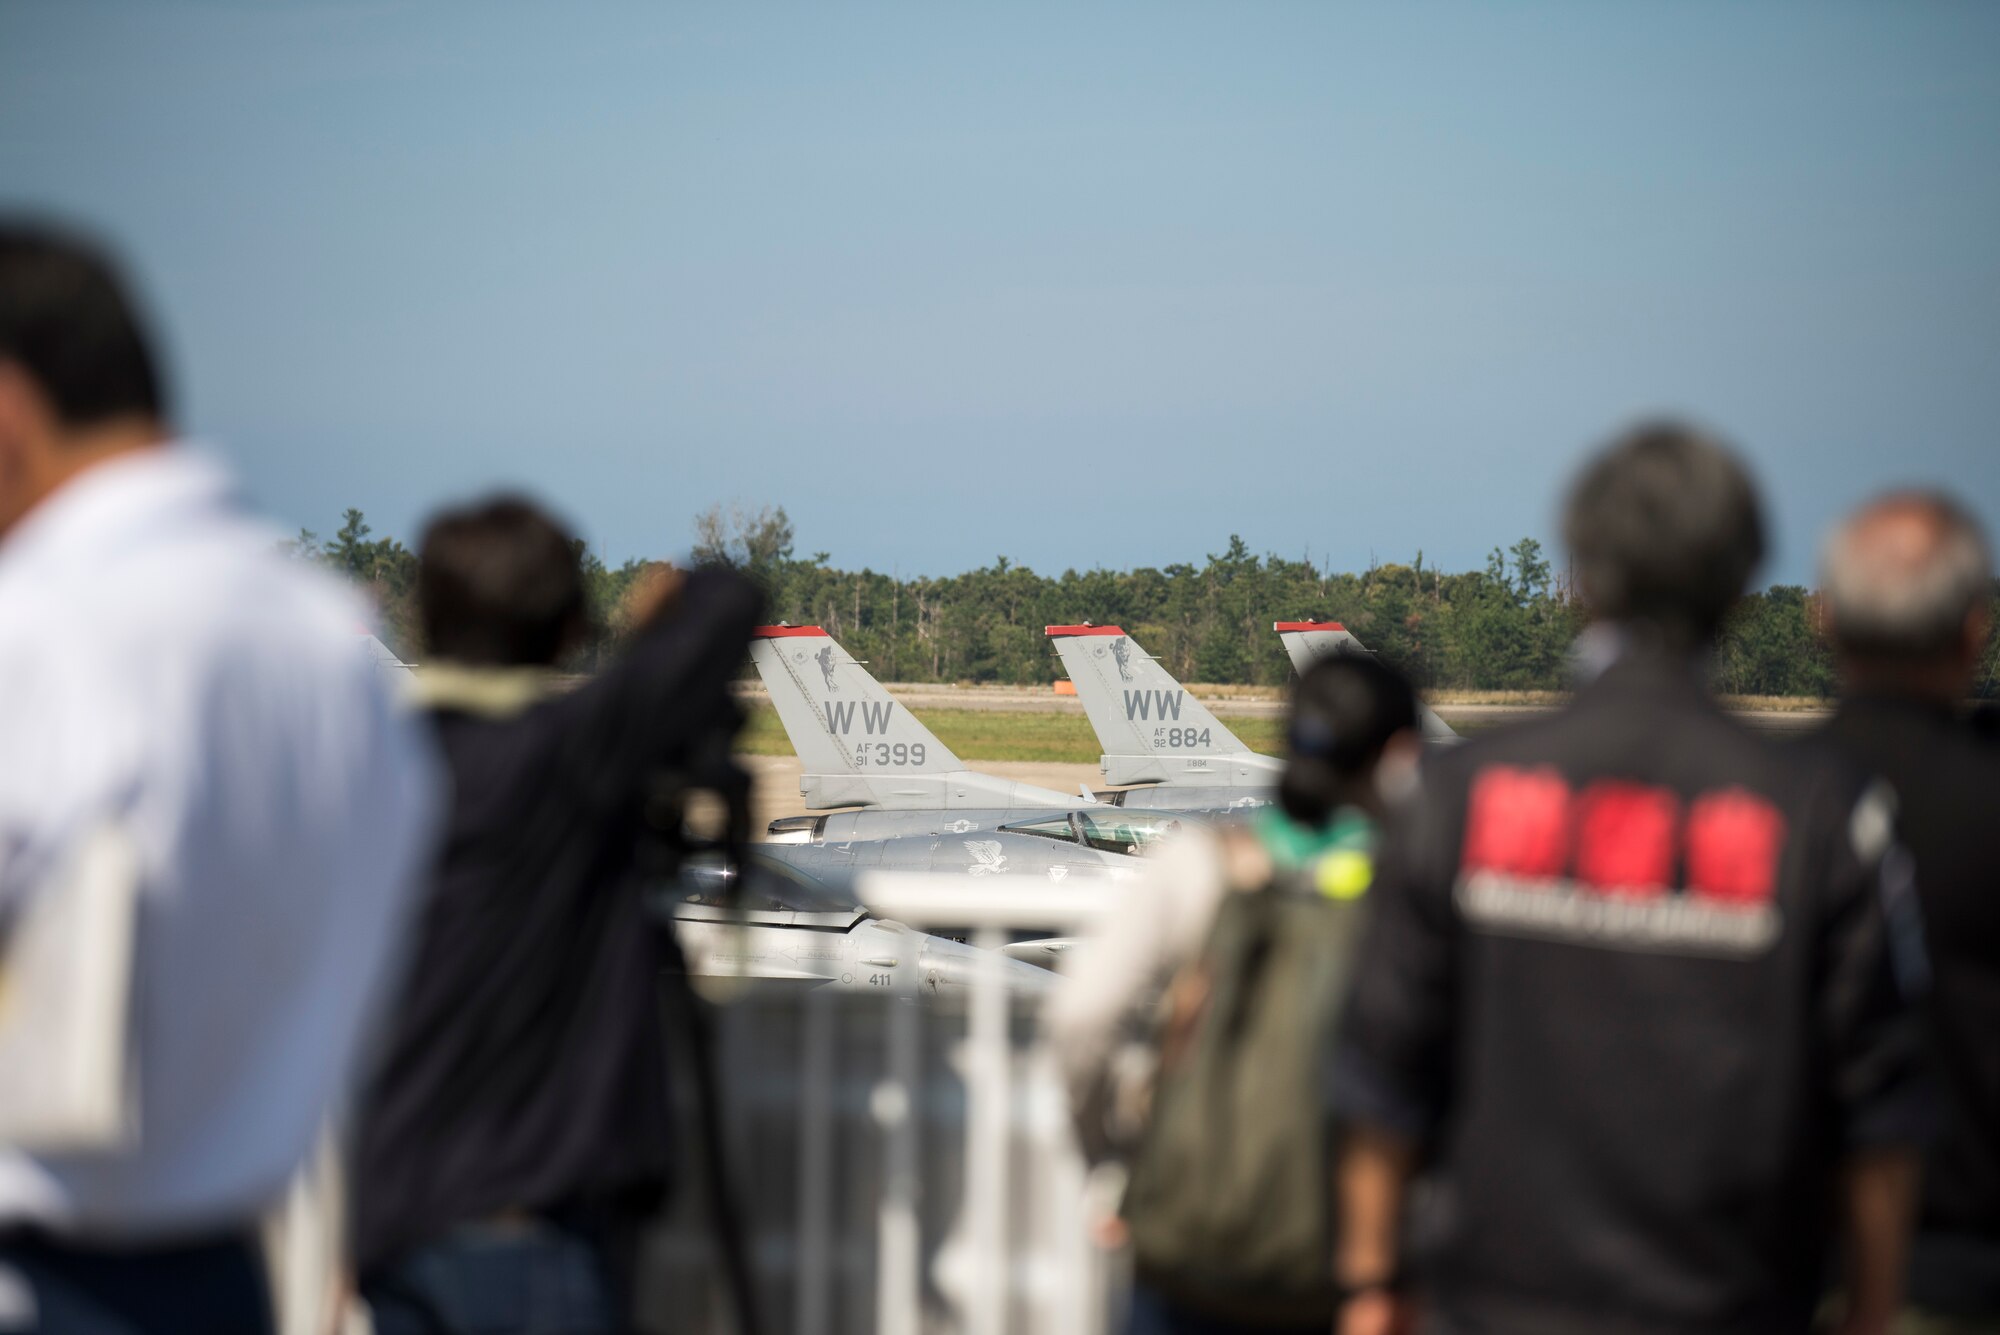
(904, 1165)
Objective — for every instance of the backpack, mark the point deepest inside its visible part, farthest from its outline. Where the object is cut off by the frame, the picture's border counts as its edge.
(1230, 1201)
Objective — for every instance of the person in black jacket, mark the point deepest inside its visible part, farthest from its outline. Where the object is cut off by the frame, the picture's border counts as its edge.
(517, 1121)
(1627, 995)
(1908, 585)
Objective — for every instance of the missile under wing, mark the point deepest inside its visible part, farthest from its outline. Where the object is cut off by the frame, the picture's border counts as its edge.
(858, 746)
(1151, 729)
(781, 923)
(1054, 846)
(1309, 641)
(1135, 822)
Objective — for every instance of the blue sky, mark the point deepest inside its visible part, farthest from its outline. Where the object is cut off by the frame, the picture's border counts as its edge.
(1077, 284)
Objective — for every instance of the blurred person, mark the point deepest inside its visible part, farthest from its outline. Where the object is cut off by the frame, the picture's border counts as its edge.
(516, 1129)
(1628, 995)
(1907, 587)
(171, 682)
(1229, 1204)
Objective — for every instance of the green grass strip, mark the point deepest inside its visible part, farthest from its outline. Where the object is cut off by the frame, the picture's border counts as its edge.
(978, 734)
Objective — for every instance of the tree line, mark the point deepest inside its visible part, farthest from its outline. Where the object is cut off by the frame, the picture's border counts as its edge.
(1508, 626)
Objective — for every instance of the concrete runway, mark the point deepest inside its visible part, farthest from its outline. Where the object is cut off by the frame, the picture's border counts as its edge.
(1474, 719)
(1017, 700)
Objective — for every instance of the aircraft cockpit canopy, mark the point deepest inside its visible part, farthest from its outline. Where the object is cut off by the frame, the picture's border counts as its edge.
(767, 887)
(1125, 832)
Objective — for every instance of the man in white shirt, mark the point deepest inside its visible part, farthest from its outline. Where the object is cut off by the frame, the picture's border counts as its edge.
(166, 673)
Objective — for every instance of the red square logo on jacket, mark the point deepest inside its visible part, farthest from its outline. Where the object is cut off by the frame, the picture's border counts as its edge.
(1625, 838)
(1517, 822)
(1734, 839)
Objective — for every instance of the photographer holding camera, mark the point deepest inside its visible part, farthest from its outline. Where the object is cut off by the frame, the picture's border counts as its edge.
(515, 1130)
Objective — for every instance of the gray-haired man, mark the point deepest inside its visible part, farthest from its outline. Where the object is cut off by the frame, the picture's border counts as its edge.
(1909, 589)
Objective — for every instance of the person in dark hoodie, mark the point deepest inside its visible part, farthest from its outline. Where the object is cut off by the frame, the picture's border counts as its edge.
(515, 1128)
(1907, 587)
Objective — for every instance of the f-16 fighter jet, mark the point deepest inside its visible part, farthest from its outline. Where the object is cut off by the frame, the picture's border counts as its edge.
(1309, 641)
(859, 747)
(1152, 731)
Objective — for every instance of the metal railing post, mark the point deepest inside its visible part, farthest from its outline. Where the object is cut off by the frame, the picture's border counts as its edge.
(987, 1132)
(899, 1281)
(812, 1297)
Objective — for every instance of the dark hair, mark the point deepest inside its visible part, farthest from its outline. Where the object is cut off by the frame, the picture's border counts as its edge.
(1665, 528)
(500, 585)
(1344, 711)
(67, 321)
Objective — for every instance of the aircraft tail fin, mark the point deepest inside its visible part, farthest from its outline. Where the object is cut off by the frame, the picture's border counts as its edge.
(381, 655)
(1306, 642)
(1309, 641)
(840, 719)
(1152, 730)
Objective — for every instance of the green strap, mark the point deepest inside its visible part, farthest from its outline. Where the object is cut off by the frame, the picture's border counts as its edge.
(1337, 859)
